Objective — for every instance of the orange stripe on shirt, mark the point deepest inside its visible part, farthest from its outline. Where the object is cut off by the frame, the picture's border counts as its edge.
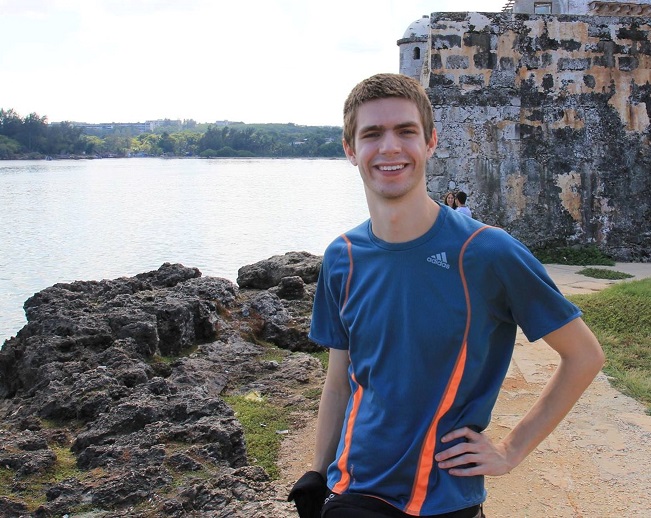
(350, 270)
(426, 459)
(342, 464)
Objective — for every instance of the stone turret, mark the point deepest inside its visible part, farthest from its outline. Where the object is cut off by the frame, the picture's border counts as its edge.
(414, 50)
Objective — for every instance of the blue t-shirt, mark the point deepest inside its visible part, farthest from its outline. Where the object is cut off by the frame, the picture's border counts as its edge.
(430, 327)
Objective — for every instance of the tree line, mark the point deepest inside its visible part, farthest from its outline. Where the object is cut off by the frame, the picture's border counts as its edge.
(33, 137)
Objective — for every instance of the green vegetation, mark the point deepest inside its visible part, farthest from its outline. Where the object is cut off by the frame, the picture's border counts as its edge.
(620, 317)
(265, 421)
(602, 273)
(323, 357)
(273, 354)
(580, 255)
(263, 424)
(33, 487)
(33, 137)
(6, 478)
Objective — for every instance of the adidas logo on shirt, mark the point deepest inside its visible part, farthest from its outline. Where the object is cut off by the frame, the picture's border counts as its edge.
(439, 260)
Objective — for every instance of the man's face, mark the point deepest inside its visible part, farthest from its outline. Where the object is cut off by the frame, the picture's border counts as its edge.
(391, 150)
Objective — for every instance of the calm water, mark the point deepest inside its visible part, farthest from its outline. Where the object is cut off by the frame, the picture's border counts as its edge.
(62, 221)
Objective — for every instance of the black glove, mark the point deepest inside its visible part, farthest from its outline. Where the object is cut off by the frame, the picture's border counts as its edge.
(308, 494)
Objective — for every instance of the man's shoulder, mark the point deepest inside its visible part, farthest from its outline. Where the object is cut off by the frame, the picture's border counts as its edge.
(360, 233)
(493, 236)
(488, 242)
(501, 250)
(341, 242)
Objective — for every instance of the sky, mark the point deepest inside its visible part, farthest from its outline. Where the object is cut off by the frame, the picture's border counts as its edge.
(255, 61)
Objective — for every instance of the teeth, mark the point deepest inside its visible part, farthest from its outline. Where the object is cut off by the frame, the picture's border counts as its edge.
(391, 167)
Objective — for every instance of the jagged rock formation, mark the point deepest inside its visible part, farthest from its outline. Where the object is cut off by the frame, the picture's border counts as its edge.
(123, 379)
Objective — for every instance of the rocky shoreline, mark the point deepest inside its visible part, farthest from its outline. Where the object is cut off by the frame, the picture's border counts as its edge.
(111, 396)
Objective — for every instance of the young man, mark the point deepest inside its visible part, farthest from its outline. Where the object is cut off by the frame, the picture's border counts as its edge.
(419, 307)
(461, 204)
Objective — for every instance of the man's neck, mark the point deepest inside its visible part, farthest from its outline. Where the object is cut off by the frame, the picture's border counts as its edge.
(399, 221)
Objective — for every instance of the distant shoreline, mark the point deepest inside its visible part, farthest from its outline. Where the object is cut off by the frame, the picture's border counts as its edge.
(86, 157)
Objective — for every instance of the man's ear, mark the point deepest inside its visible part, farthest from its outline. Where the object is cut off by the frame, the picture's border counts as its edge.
(350, 152)
(431, 144)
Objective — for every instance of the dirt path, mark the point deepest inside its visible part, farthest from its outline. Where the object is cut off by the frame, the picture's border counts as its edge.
(596, 464)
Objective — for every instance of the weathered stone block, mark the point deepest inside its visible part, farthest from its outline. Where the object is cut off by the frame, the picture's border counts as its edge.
(456, 62)
(446, 41)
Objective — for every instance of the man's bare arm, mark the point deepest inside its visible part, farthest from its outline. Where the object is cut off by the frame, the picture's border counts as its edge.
(581, 360)
(334, 399)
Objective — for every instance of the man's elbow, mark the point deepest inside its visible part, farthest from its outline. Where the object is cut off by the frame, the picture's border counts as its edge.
(593, 357)
(599, 358)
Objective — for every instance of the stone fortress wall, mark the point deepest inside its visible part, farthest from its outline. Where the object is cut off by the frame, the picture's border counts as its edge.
(544, 120)
(600, 7)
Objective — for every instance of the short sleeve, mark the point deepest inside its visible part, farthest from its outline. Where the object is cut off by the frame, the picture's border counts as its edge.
(327, 328)
(533, 299)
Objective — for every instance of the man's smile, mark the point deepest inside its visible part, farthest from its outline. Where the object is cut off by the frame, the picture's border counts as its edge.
(391, 167)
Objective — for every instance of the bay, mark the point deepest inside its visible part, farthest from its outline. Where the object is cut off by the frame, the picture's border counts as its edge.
(68, 220)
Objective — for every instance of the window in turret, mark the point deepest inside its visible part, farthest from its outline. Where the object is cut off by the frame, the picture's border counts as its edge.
(542, 8)
(416, 53)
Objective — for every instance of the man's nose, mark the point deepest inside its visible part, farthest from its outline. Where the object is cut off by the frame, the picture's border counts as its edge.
(390, 143)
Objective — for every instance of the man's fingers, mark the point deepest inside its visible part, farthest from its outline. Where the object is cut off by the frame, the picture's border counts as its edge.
(458, 434)
(460, 460)
(453, 452)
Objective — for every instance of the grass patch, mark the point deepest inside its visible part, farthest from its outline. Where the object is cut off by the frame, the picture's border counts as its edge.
(32, 488)
(262, 422)
(323, 357)
(162, 365)
(71, 425)
(620, 317)
(581, 256)
(167, 360)
(602, 273)
(156, 358)
(6, 479)
(273, 354)
(65, 466)
(313, 394)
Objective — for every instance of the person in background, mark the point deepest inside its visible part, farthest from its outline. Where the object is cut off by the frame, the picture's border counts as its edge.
(461, 204)
(419, 306)
(450, 200)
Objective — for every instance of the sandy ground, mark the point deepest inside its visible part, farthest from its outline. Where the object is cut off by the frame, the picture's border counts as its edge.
(597, 463)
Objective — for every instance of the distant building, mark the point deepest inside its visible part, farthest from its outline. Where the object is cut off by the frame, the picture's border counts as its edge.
(133, 127)
(595, 7)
